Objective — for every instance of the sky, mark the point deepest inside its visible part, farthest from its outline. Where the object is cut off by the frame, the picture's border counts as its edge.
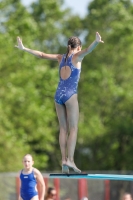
(79, 7)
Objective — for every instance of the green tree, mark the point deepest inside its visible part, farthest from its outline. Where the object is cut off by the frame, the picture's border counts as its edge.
(28, 122)
(106, 97)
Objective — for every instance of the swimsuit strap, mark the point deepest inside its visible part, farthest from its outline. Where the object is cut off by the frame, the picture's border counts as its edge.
(33, 170)
(63, 63)
(71, 56)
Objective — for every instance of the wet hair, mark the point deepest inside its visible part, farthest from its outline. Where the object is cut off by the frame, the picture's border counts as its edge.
(72, 43)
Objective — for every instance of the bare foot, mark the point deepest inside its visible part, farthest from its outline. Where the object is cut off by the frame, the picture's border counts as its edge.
(73, 166)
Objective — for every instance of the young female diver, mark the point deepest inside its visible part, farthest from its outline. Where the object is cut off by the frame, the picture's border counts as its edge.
(66, 94)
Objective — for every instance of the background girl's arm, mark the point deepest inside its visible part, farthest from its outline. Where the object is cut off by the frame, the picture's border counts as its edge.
(81, 54)
(40, 179)
(19, 197)
(38, 54)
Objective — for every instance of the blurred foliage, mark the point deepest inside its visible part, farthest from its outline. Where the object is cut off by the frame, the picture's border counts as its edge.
(107, 79)
(28, 121)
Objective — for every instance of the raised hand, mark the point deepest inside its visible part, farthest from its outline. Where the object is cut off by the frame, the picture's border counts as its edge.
(98, 38)
(20, 44)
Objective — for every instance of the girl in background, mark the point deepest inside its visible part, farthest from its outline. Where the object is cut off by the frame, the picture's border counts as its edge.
(29, 177)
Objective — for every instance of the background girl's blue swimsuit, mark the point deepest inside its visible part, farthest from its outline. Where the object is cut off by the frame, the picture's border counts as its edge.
(28, 185)
(66, 88)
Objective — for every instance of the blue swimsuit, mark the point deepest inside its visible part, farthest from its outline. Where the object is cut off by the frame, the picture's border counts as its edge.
(28, 184)
(66, 88)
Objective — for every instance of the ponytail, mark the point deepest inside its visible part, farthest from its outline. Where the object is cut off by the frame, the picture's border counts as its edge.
(68, 49)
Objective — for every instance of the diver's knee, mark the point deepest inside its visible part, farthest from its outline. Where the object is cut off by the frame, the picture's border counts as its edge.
(73, 128)
(63, 129)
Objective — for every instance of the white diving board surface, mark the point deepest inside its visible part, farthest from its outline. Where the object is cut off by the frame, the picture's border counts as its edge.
(94, 176)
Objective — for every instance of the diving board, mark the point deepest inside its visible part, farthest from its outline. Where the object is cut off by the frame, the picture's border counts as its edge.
(94, 176)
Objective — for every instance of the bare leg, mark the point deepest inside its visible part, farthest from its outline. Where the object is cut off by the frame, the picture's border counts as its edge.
(35, 198)
(62, 117)
(72, 117)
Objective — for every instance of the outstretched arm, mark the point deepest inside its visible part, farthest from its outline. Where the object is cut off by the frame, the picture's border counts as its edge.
(88, 50)
(38, 54)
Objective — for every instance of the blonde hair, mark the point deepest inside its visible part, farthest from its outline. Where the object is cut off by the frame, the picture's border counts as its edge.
(28, 155)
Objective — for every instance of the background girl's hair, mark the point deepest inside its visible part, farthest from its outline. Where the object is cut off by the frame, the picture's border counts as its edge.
(72, 43)
(50, 189)
(28, 155)
(48, 192)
